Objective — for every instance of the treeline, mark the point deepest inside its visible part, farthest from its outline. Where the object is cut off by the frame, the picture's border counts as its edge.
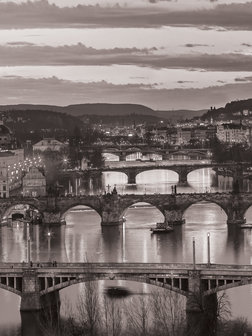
(36, 124)
(237, 152)
(121, 120)
(160, 313)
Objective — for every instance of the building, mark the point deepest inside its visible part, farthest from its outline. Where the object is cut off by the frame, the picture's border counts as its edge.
(34, 183)
(11, 170)
(232, 133)
(48, 144)
(184, 135)
(6, 137)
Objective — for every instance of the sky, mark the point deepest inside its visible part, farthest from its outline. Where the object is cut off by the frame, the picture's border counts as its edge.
(165, 54)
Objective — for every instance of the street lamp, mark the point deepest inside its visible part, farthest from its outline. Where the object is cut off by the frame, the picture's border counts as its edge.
(49, 235)
(194, 258)
(28, 245)
(208, 249)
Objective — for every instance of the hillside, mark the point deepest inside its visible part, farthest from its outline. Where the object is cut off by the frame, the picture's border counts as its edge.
(28, 123)
(233, 110)
(107, 109)
(124, 120)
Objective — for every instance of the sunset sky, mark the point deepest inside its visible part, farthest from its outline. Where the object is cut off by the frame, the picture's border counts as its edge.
(165, 54)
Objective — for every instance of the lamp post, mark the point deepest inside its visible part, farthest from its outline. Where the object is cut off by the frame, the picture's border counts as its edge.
(28, 245)
(208, 249)
(49, 235)
(194, 255)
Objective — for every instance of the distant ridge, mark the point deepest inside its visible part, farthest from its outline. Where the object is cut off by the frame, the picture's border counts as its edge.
(107, 109)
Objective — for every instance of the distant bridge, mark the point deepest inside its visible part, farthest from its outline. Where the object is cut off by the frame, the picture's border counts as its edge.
(181, 169)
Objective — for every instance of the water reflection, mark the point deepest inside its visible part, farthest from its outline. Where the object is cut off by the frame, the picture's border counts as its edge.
(84, 239)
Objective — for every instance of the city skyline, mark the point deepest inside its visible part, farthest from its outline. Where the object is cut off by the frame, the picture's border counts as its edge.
(163, 54)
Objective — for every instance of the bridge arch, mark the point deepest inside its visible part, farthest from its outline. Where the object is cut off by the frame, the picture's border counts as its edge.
(134, 155)
(247, 214)
(68, 208)
(159, 282)
(205, 202)
(21, 209)
(110, 178)
(169, 175)
(111, 156)
(160, 216)
(13, 286)
(229, 284)
(206, 174)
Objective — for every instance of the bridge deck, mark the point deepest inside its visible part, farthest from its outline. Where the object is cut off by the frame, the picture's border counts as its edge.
(154, 268)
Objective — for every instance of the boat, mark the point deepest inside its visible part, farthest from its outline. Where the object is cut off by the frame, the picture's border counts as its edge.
(116, 291)
(162, 230)
(246, 226)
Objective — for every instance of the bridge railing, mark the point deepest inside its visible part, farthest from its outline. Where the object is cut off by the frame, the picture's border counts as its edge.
(115, 265)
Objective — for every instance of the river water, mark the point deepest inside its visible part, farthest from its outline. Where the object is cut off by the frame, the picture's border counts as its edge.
(82, 238)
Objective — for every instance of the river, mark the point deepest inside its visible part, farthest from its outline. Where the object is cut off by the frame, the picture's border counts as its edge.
(82, 238)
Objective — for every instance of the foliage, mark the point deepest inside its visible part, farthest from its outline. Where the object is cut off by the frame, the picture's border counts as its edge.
(237, 152)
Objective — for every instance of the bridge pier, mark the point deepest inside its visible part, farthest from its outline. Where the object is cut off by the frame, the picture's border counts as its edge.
(173, 217)
(122, 156)
(31, 300)
(235, 217)
(182, 177)
(53, 217)
(111, 213)
(201, 311)
(131, 177)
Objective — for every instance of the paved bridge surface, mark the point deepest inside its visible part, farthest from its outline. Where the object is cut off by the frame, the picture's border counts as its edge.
(112, 207)
(35, 283)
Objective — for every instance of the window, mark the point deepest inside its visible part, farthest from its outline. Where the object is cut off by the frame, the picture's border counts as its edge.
(4, 188)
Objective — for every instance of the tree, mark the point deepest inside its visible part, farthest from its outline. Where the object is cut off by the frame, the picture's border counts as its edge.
(138, 316)
(113, 316)
(168, 310)
(89, 309)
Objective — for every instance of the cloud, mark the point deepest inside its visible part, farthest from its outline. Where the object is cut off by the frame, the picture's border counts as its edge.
(19, 90)
(42, 14)
(20, 53)
(191, 45)
(23, 55)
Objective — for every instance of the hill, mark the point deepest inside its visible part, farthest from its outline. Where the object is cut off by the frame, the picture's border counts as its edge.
(107, 110)
(233, 110)
(28, 124)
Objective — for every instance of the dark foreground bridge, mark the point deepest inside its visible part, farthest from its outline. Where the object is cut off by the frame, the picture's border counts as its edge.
(112, 207)
(39, 286)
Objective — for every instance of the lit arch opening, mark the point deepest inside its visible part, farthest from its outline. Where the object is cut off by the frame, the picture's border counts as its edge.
(205, 213)
(155, 176)
(142, 214)
(202, 178)
(82, 214)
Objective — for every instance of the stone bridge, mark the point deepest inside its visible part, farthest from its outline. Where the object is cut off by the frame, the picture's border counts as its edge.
(39, 286)
(166, 154)
(181, 169)
(112, 207)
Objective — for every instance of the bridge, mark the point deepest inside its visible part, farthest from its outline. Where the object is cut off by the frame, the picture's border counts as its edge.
(181, 169)
(39, 286)
(123, 150)
(112, 207)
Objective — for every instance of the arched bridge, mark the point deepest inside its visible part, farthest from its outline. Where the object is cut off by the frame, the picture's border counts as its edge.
(33, 284)
(123, 151)
(181, 169)
(112, 207)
